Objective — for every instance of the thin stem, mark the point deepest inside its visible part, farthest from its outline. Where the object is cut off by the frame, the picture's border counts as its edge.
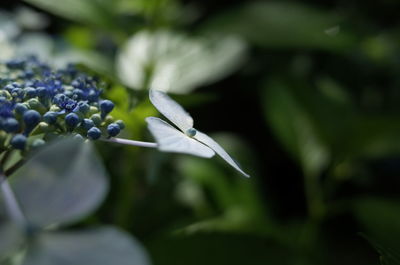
(11, 202)
(316, 213)
(131, 142)
(314, 197)
(14, 167)
(6, 155)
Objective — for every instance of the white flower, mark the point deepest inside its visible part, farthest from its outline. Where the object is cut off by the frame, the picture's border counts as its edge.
(185, 140)
(174, 62)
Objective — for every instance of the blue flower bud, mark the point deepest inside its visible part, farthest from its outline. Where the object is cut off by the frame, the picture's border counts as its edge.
(94, 133)
(16, 84)
(50, 117)
(18, 141)
(9, 87)
(11, 125)
(106, 106)
(76, 84)
(31, 118)
(16, 92)
(28, 74)
(93, 95)
(42, 91)
(83, 107)
(30, 92)
(78, 94)
(15, 64)
(72, 120)
(68, 93)
(20, 108)
(113, 129)
(87, 124)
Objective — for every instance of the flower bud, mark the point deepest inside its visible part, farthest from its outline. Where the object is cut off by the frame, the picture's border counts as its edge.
(20, 108)
(11, 125)
(35, 104)
(106, 106)
(113, 129)
(50, 117)
(44, 127)
(96, 119)
(37, 143)
(93, 110)
(18, 141)
(31, 119)
(87, 124)
(121, 124)
(72, 120)
(94, 133)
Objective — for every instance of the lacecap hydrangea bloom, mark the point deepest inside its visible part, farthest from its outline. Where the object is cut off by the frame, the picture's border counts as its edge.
(38, 104)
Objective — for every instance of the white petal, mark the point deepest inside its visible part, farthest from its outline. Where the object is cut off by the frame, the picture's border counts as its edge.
(204, 138)
(171, 110)
(170, 139)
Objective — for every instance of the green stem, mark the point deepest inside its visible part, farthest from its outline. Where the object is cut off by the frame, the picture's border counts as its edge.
(316, 213)
(314, 197)
(14, 167)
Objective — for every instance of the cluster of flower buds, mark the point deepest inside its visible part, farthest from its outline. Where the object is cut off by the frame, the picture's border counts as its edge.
(38, 104)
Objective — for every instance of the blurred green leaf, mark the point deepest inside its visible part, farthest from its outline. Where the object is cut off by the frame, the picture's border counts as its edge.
(219, 248)
(93, 12)
(295, 127)
(60, 184)
(380, 218)
(316, 126)
(388, 256)
(173, 62)
(100, 246)
(236, 205)
(274, 24)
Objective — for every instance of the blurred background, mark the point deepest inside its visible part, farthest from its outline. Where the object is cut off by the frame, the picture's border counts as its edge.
(304, 94)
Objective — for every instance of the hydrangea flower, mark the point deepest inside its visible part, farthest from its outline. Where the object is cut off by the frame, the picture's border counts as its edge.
(187, 139)
(39, 102)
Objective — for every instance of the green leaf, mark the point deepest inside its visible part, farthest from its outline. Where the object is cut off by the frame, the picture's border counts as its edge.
(100, 246)
(93, 12)
(318, 128)
(233, 203)
(379, 217)
(173, 62)
(62, 183)
(220, 248)
(278, 24)
(295, 127)
(388, 256)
